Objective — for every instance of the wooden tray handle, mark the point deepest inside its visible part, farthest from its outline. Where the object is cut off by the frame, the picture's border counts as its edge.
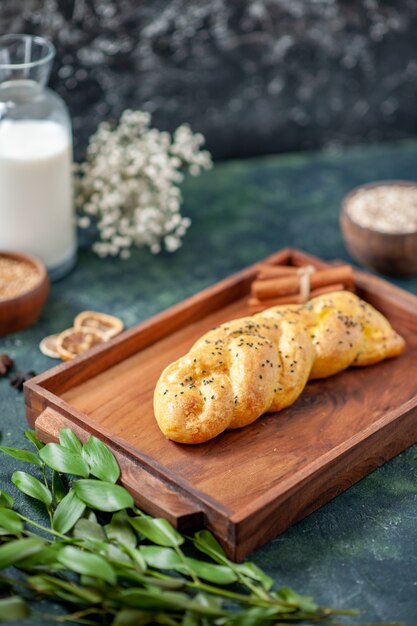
(149, 492)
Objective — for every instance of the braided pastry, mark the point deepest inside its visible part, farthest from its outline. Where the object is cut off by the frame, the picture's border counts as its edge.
(259, 364)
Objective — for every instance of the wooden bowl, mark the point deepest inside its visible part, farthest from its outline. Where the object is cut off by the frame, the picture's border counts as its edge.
(23, 310)
(394, 254)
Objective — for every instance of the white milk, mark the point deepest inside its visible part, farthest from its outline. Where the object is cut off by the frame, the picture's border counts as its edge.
(36, 205)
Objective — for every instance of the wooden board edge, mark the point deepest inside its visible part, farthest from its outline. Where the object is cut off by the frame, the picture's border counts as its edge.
(382, 289)
(327, 459)
(338, 475)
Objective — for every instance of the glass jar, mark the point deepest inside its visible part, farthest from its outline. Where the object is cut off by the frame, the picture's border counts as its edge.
(36, 198)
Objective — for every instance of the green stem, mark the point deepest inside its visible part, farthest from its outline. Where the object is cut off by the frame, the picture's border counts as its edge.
(51, 531)
(254, 601)
(181, 555)
(166, 620)
(77, 616)
(329, 611)
(45, 480)
(255, 590)
(14, 581)
(220, 591)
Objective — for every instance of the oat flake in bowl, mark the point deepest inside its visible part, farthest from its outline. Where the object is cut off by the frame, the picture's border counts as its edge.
(379, 226)
(385, 208)
(16, 277)
(24, 287)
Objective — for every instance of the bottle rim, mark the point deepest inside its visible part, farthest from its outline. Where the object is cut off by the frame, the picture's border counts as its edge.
(48, 46)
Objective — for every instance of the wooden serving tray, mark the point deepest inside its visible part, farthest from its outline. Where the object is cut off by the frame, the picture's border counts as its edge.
(246, 485)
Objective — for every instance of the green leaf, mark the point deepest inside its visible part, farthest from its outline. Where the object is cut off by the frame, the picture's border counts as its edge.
(160, 558)
(120, 530)
(102, 495)
(10, 521)
(260, 616)
(157, 530)
(100, 460)
(91, 516)
(21, 455)
(42, 583)
(14, 551)
(167, 558)
(68, 512)
(115, 553)
(219, 574)
(202, 599)
(74, 593)
(31, 486)
(33, 438)
(253, 571)
(64, 460)
(304, 603)
(208, 605)
(13, 609)
(59, 488)
(46, 556)
(133, 617)
(207, 543)
(190, 619)
(86, 529)
(5, 500)
(157, 599)
(68, 439)
(87, 563)
(153, 598)
(136, 557)
(60, 589)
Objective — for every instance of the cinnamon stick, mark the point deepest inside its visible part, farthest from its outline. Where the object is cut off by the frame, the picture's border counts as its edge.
(290, 285)
(271, 271)
(328, 289)
(256, 305)
(265, 304)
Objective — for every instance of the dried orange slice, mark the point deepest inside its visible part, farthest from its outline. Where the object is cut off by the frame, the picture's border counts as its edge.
(48, 346)
(75, 341)
(108, 324)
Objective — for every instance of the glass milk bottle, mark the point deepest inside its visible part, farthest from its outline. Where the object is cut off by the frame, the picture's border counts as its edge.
(36, 203)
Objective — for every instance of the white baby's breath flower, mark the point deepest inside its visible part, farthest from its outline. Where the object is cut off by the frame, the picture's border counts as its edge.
(84, 222)
(130, 184)
(155, 248)
(172, 243)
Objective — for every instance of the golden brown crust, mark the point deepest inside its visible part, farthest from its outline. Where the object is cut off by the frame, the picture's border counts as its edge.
(253, 365)
(378, 339)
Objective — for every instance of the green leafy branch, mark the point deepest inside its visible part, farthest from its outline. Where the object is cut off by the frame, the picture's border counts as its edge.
(107, 562)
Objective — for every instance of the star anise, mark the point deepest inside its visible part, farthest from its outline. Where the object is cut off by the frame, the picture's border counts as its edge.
(6, 364)
(20, 378)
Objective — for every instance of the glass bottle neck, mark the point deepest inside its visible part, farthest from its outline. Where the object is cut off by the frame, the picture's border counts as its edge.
(25, 57)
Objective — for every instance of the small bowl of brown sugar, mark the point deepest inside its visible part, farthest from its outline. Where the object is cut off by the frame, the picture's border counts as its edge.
(24, 287)
(379, 226)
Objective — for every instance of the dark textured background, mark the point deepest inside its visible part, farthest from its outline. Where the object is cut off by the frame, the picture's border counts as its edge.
(254, 76)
